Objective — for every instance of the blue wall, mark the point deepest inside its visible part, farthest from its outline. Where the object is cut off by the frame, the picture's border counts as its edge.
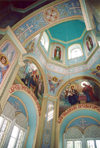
(31, 109)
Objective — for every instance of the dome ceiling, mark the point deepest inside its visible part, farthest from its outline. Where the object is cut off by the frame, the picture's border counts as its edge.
(67, 31)
(69, 43)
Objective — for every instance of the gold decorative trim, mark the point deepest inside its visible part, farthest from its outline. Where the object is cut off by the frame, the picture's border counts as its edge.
(22, 104)
(67, 41)
(80, 48)
(81, 117)
(36, 12)
(11, 91)
(29, 57)
(50, 25)
(62, 50)
(78, 107)
(93, 50)
(73, 79)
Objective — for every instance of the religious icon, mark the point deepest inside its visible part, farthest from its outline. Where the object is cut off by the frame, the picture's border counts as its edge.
(79, 91)
(72, 95)
(89, 92)
(96, 71)
(57, 53)
(89, 43)
(54, 82)
(30, 48)
(4, 65)
(32, 78)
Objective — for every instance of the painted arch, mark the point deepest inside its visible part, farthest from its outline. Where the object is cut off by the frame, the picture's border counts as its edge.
(33, 110)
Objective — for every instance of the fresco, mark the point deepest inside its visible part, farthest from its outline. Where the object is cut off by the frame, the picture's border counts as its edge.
(54, 82)
(32, 78)
(89, 43)
(44, 17)
(7, 56)
(77, 92)
(57, 53)
(83, 122)
(96, 71)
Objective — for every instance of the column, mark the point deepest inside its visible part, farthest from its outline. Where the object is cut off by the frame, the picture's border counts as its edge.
(47, 124)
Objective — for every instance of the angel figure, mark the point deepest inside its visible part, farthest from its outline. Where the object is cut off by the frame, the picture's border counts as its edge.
(53, 83)
(96, 71)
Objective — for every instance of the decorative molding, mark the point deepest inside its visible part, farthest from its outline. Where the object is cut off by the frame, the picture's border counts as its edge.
(19, 87)
(78, 107)
(35, 22)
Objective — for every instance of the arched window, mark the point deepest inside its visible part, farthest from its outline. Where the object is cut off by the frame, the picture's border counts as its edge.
(17, 137)
(45, 41)
(75, 138)
(4, 125)
(75, 51)
(12, 135)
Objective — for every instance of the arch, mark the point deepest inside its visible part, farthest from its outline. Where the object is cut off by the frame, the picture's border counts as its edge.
(73, 112)
(33, 109)
(74, 92)
(93, 130)
(73, 132)
(73, 79)
(30, 57)
(28, 22)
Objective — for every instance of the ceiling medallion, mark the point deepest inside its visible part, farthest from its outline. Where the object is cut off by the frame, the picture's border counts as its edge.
(51, 14)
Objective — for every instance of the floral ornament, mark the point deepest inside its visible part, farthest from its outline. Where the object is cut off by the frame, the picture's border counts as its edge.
(51, 14)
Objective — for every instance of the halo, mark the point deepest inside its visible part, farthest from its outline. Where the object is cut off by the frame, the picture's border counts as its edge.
(54, 79)
(98, 66)
(2, 55)
(84, 82)
(73, 86)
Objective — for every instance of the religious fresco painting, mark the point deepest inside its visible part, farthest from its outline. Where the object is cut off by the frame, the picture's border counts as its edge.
(89, 43)
(57, 53)
(7, 57)
(32, 78)
(96, 71)
(30, 47)
(54, 83)
(78, 92)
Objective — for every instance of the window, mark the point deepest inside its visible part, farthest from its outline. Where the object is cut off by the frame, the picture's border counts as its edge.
(99, 43)
(93, 143)
(45, 41)
(75, 51)
(4, 124)
(74, 144)
(90, 143)
(17, 137)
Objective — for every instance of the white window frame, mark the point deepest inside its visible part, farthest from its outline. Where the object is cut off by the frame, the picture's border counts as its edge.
(18, 143)
(72, 48)
(73, 140)
(83, 140)
(5, 130)
(45, 41)
(94, 139)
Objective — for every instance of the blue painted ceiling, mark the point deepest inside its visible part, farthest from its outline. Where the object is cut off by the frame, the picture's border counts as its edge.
(67, 31)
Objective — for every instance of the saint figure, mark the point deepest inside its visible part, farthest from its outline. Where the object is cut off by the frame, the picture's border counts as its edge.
(57, 53)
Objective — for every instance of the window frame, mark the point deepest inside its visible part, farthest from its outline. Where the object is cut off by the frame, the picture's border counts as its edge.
(71, 48)
(46, 38)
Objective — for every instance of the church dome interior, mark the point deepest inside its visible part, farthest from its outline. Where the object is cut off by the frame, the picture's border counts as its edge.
(50, 74)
